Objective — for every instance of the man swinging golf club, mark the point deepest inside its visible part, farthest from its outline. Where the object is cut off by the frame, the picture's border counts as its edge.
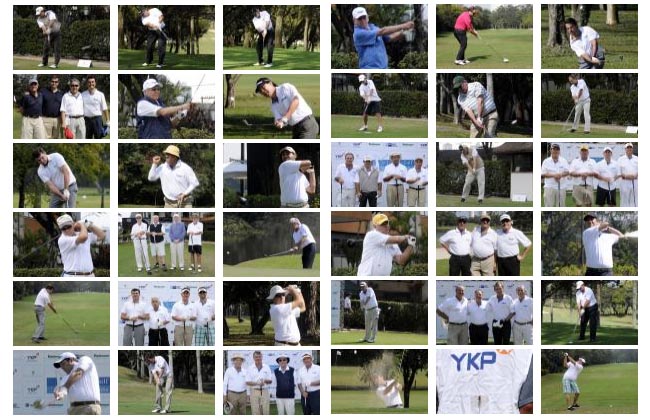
(153, 20)
(569, 380)
(479, 106)
(303, 240)
(57, 176)
(584, 42)
(80, 385)
(139, 237)
(582, 101)
(265, 37)
(43, 300)
(380, 249)
(74, 246)
(598, 239)
(284, 315)
(372, 103)
(588, 310)
(297, 179)
(154, 119)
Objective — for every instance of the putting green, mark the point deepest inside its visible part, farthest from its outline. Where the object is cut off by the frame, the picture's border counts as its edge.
(347, 126)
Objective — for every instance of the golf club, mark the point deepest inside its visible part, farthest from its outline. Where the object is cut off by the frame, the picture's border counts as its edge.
(609, 194)
(190, 244)
(575, 326)
(279, 253)
(341, 195)
(41, 404)
(247, 124)
(144, 255)
(633, 193)
(65, 321)
(398, 204)
(505, 59)
(566, 123)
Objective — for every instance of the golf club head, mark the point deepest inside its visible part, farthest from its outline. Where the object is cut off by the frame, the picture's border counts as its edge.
(246, 123)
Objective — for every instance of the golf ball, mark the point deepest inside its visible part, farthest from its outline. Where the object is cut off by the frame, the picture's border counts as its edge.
(227, 252)
(84, 196)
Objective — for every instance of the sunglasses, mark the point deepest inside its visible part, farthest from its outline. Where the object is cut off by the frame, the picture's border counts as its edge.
(74, 85)
(66, 227)
(282, 360)
(485, 220)
(462, 221)
(506, 221)
(203, 293)
(155, 88)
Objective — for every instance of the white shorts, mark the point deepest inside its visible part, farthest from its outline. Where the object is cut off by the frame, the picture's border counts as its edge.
(158, 250)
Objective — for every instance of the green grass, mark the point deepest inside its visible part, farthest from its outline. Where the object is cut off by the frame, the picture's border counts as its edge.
(454, 201)
(604, 389)
(366, 402)
(88, 313)
(136, 397)
(445, 128)
(556, 130)
(442, 266)
(281, 266)
(18, 124)
(514, 44)
(240, 58)
(127, 268)
(569, 202)
(240, 335)
(613, 330)
(26, 62)
(256, 109)
(348, 376)
(620, 42)
(383, 338)
(92, 200)
(347, 126)
(133, 59)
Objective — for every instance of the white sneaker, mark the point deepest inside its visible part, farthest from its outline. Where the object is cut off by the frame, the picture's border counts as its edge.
(139, 269)
(163, 412)
(145, 65)
(459, 62)
(267, 65)
(41, 65)
(466, 61)
(182, 268)
(258, 64)
(191, 268)
(380, 129)
(198, 269)
(364, 128)
(52, 66)
(156, 410)
(159, 66)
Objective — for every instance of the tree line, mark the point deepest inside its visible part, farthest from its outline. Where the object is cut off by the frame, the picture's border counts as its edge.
(553, 360)
(507, 16)
(29, 288)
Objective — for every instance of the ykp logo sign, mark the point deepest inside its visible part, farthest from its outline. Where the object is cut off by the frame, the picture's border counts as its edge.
(478, 361)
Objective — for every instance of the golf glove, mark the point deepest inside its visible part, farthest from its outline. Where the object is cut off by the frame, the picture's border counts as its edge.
(411, 240)
(495, 324)
(66, 194)
(566, 354)
(582, 312)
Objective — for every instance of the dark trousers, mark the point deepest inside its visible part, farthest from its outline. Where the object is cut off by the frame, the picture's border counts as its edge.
(305, 129)
(592, 317)
(599, 272)
(152, 37)
(369, 198)
(461, 37)
(311, 404)
(94, 127)
(158, 337)
(460, 265)
(52, 43)
(509, 266)
(478, 334)
(501, 335)
(308, 255)
(269, 42)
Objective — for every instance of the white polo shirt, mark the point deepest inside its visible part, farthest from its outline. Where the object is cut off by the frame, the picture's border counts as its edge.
(478, 161)
(350, 176)
(303, 236)
(86, 388)
(377, 255)
(459, 243)
(523, 310)
(307, 376)
(581, 85)
(147, 109)
(179, 180)
(43, 298)
(285, 94)
(369, 294)
(284, 320)
(628, 166)
(52, 171)
(508, 242)
(483, 245)
(73, 106)
(573, 371)
(153, 18)
(598, 247)
(392, 398)
(413, 174)
(582, 297)
(582, 44)
(551, 167)
(368, 91)
(234, 380)
(478, 313)
(158, 319)
(260, 23)
(131, 309)
(204, 312)
(608, 170)
(76, 257)
(255, 374)
(139, 228)
(500, 309)
(580, 166)
(42, 22)
(293, 183)
(94, 104)
(194, 231)
(391, 169)
(455, 310)
(184, 311)
(161, 367)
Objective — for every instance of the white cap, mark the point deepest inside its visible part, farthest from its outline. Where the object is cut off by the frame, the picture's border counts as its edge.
(306, 355)
(607, 149)
(276, 290)
(358, 12)
(150, 83)
(39, 9)
(362, 77)
(62, 357)
(504, 217)
(294, 220)
(581, 360)
(64, 220)
(629, 145)
(579, 284)
(363, 284)
(138, 216)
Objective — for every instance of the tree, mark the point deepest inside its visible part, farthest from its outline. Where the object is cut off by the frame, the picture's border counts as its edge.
(412, 361)
(231, 84)
(199, 377)
(612, 15)
(556, 31)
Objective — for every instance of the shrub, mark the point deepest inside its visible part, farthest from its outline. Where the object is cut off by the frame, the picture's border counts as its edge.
(401, 316)
(52, 272)
(613, 107)
(407, 104)
(450, 178)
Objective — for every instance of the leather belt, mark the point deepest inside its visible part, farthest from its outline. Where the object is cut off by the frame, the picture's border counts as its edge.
(289, 343)
(524, 323)
(79, 403)
(75, 116)
(457, 323)
(483, 259)
(78, 273)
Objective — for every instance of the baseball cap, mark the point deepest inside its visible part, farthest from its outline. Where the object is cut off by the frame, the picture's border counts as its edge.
(584, 147)
(379, 219)
(504, 217)
(282, 356)
(363, 284)
(203, 289)
(461, 217)
(150, 83)
(64, 220)
(185, 289)
(555, 146)
(62, 357)
(367, 158)
(33, 80)
(138, 216)
(195, 214)
(294, 220)
(39, 9)
(458, 80)
(237, 356)
(362, 77)
(583, 361)
(261, 82)
(419, 158)
(287, 149)
(395, 153)
(607, 149)
(172, 150)
(589, 216)
(306, 355)
(358, 12)
(276, 290)
(629, 145)
(579, 284)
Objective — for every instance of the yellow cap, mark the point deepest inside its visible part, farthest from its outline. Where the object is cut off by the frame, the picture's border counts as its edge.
(379, 219)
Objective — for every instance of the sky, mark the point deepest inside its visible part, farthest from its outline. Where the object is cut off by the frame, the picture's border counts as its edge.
(205, 87)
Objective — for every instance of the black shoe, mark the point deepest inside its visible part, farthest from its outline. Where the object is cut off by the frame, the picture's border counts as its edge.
(164, 267)
(36, 341)
(42, 338)
(480, 201)
(573, 130)
(571, 408)
(575, 406)
(592, 340)
(587, 132)
(462, 200)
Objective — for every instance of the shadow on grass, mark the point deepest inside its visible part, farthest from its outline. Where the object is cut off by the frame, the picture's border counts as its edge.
(255, 127)
(562, 333)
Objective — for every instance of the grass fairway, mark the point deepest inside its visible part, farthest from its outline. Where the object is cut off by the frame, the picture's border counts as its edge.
(240, 335)
(281, 266)
(256, 109)
(569, 202)
(604, 389)
(88, 198)
(556, 130)
(348, 376)
(352, 337)
(514, 44)
(366, 402)
(620, 42)
(88, 313)
(454, 201)
(612, 331)
(347, 126)
(445, 128)
(133, 59)
(136, 397)
(31, 62)
(240, 58)
(442, 265)
(127, 268)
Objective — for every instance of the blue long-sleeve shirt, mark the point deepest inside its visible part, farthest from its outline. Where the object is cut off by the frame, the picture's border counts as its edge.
(177, 232)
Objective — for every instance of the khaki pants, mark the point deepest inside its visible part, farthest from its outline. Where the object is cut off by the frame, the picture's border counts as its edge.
(33, 128)
(490, 125)
(185, 205)
(183, 335)
(394, 195)
(554, 197)
(583, 196)
(78, 127)
(417, 198)
(371, 323)
(238, 401)
(178, 255)
(583, 107)
(522, 334)
(165, 388)
(457, 334)
(88, 410)
(52, 127)
(482, 267)
(286, 406)
(479, 176)
(260, 401)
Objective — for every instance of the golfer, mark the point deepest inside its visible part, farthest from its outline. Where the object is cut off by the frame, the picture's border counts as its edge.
(43, 299)
(303, 240)
(177, 242)
(194, 232)
(176, 177)
(158, 318)
(453, 311)
(628, 183)
(388, 391)
(184, 314)
(234, 385)
(74, 246)
(134, 314)
(154, 119)
(372, 103)
(72, 112)
(284, 315)
(395, 177)
(156, 235)
(477, 311)
(461, 27)
(458, 243)
(370, 306)
(582, 101)
(606, 174)
(51, 29)
(52, 98)
(347, 176)
(370, 185)
(81, 384)
(475, 172)
(163, 380)
(500, 306)
(57, 176)
(588, 310)
(479, 106)
(265, 37)
(598, 240)
(285, 389)
(297, 179)
(30, 106)
(484, 246)
(555, 173)
(153, 21)
(583, 170)
(289, 108)
(205, 316)
(584, 42)
(380, 249)
(96, 114)
(417, 179)
(509, 256)
(259, 378)
(569, 381)
(369, 39)
(139, 232)
(522, 327)
(309, 386)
